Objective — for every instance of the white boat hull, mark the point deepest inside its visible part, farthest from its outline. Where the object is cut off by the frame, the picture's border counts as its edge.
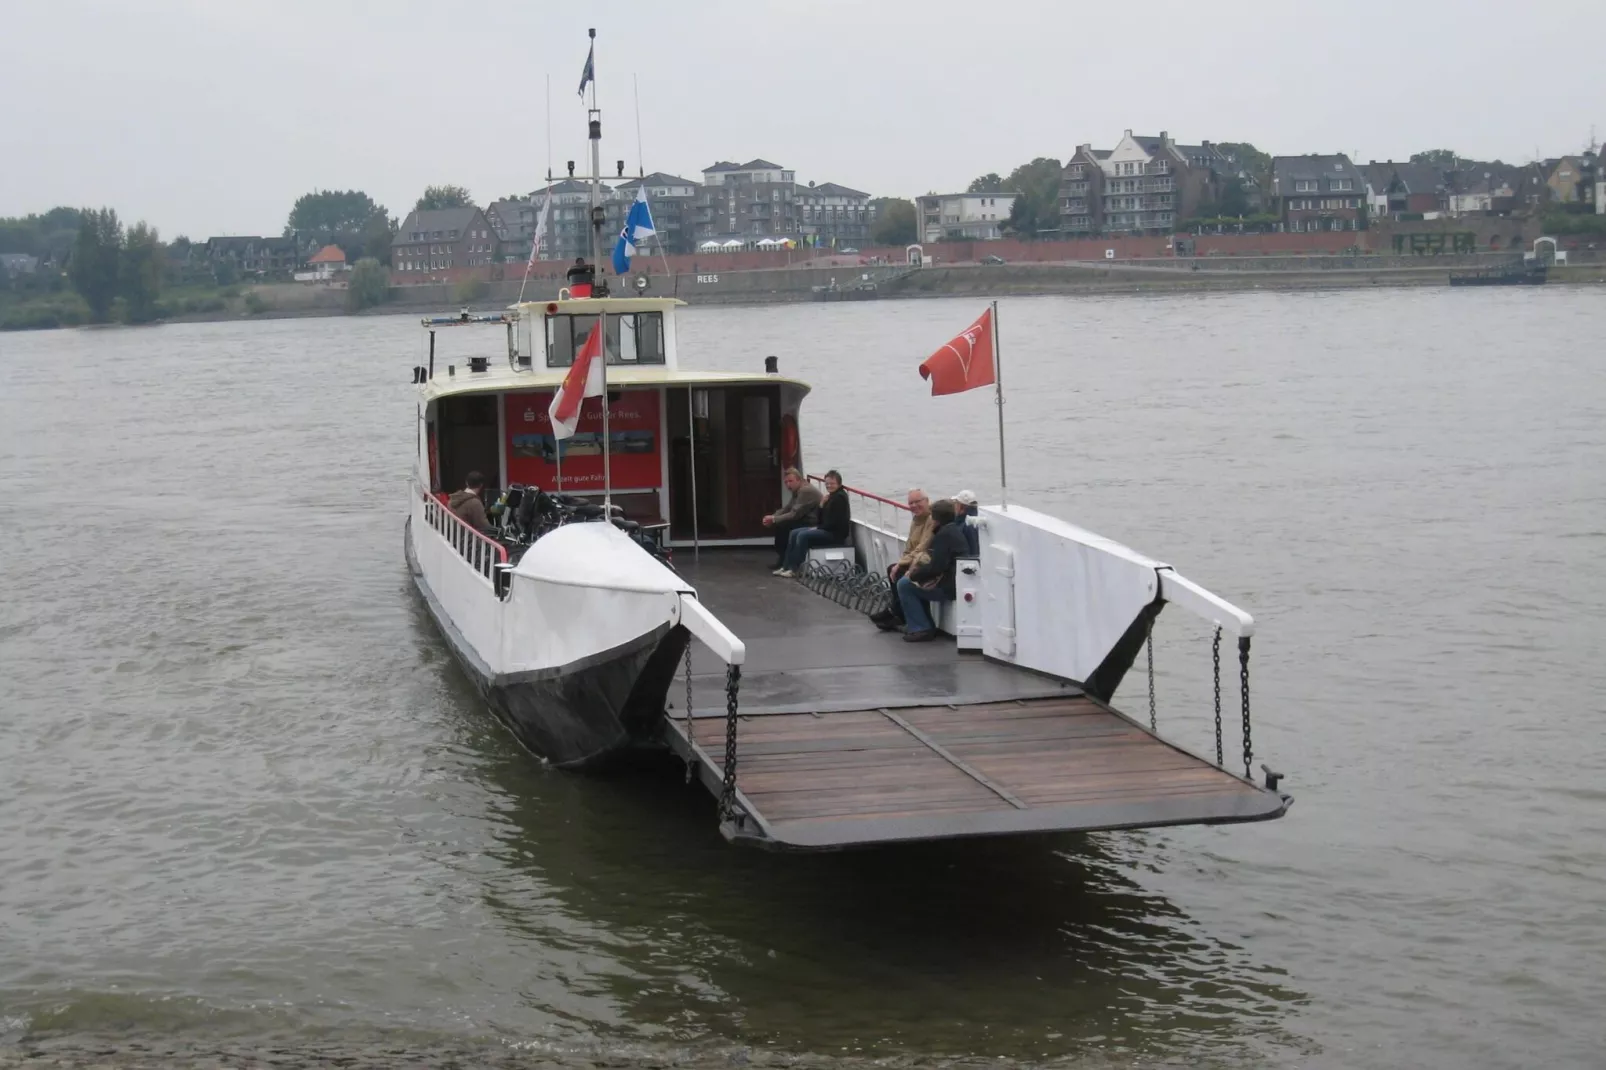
(577, 657)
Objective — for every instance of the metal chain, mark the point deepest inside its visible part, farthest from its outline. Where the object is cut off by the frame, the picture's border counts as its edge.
(1243, 685)
(1154, 724)
(727, 796)
(1215, 656)
(691, 721)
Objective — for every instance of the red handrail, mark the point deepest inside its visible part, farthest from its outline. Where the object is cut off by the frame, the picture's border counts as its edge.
(866, 494)
(479, 550)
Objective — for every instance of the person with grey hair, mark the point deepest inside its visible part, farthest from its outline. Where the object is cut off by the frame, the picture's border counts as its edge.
(921, 525)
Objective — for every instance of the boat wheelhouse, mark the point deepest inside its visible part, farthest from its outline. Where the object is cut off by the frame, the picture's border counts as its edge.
(691, 451)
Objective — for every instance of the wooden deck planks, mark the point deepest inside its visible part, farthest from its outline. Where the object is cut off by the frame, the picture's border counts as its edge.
(851, 737)
(861, 765)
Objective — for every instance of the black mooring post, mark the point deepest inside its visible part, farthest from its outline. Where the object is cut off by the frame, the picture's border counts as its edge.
(432, 354)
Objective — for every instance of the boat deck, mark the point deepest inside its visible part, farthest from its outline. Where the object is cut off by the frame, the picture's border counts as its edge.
(848, 736)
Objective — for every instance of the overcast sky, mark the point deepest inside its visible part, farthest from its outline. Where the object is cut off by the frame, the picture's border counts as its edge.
(211, 116)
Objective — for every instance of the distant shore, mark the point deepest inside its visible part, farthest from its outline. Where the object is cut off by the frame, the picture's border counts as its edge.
(798, 285)
(1008, 280)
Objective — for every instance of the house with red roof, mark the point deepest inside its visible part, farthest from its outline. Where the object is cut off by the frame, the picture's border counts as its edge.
(323, 265)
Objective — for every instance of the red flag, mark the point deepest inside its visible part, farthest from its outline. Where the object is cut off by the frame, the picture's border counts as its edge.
(966, 362)
(584, 380)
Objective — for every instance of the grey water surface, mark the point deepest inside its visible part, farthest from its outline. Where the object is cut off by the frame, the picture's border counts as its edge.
(247, 798)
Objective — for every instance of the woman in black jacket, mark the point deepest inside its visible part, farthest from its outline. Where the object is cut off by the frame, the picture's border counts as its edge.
(834, 529)
(934, 580)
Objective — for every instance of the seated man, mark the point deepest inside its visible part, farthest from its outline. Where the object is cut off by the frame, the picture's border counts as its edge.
(834, 529)
(466, 503)
(934, 580)
(914, 552)
(798, 512)
(965, 507)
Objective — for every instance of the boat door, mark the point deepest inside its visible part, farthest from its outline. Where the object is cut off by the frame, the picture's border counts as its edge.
(737, 460)
(754, 416)
(468, 439)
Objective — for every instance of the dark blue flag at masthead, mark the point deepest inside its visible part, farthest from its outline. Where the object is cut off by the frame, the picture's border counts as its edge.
(590, 72)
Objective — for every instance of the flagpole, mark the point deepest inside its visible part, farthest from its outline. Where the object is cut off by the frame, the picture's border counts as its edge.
(998, 399)
(691, 466)
(535, 241)
(595, 131)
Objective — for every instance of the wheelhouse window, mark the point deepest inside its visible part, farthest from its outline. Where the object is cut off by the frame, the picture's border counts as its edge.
(628, 338)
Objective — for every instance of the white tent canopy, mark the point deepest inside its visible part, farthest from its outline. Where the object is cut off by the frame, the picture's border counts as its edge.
(710, 245)
(734, 243)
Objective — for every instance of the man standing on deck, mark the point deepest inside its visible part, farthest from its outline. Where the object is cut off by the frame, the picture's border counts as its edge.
(797, 513)
(465, 504)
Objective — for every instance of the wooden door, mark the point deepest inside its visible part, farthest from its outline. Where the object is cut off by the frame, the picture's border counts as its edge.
(753, 416)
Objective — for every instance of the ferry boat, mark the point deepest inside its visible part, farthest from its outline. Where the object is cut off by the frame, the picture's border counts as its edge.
(623, 602)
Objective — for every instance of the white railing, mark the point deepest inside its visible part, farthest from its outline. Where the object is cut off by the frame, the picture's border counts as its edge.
(487, 556)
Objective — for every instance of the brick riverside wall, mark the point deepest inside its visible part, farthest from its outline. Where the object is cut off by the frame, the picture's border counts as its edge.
(547, 275)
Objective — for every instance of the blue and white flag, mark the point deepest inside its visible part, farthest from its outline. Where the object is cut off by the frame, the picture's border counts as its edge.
(638, 228)
(590, 72)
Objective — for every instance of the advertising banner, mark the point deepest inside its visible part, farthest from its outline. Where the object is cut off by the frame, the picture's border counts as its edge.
(633, 428)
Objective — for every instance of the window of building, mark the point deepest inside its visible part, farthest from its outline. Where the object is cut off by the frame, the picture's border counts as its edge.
(1304, 185)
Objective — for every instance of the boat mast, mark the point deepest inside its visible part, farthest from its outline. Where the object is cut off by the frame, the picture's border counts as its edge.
(594, 117)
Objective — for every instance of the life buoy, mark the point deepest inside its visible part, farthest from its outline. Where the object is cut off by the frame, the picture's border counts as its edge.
(789, 448)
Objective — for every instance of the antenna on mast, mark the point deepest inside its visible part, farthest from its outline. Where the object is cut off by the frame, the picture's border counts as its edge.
(641, 166)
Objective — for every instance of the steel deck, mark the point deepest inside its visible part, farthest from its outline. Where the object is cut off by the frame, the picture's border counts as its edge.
(848, 736)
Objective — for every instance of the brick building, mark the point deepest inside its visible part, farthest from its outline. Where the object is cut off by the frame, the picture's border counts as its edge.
(833, 216)
(1145, 185)
(1314, 192)
(747, 201)
(251, 255)
(673, 202)
(1393, 189)
(513, 220)
(434, 242)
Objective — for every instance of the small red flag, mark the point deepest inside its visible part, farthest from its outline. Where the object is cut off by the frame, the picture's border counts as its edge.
(583, 380)
(966, 362)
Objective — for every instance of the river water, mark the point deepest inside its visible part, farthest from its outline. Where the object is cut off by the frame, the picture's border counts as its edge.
(247, 799)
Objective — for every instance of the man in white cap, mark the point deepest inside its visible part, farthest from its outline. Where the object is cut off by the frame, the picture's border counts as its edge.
(965, 506)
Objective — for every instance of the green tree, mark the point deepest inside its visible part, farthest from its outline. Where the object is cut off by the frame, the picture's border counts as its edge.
(369, 285)
(322, 214)
(140, 273)
(1251, 161)
(95, 256)
(443, 197)
(1036, 186)
(988, 183)
(1445, 159)
(1234, 198)
(50, 236)
(894, 221)
(467, 291)
(376, 240)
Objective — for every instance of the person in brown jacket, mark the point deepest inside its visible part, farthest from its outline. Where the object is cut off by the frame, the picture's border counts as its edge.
(915, 545)
(466, 503)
